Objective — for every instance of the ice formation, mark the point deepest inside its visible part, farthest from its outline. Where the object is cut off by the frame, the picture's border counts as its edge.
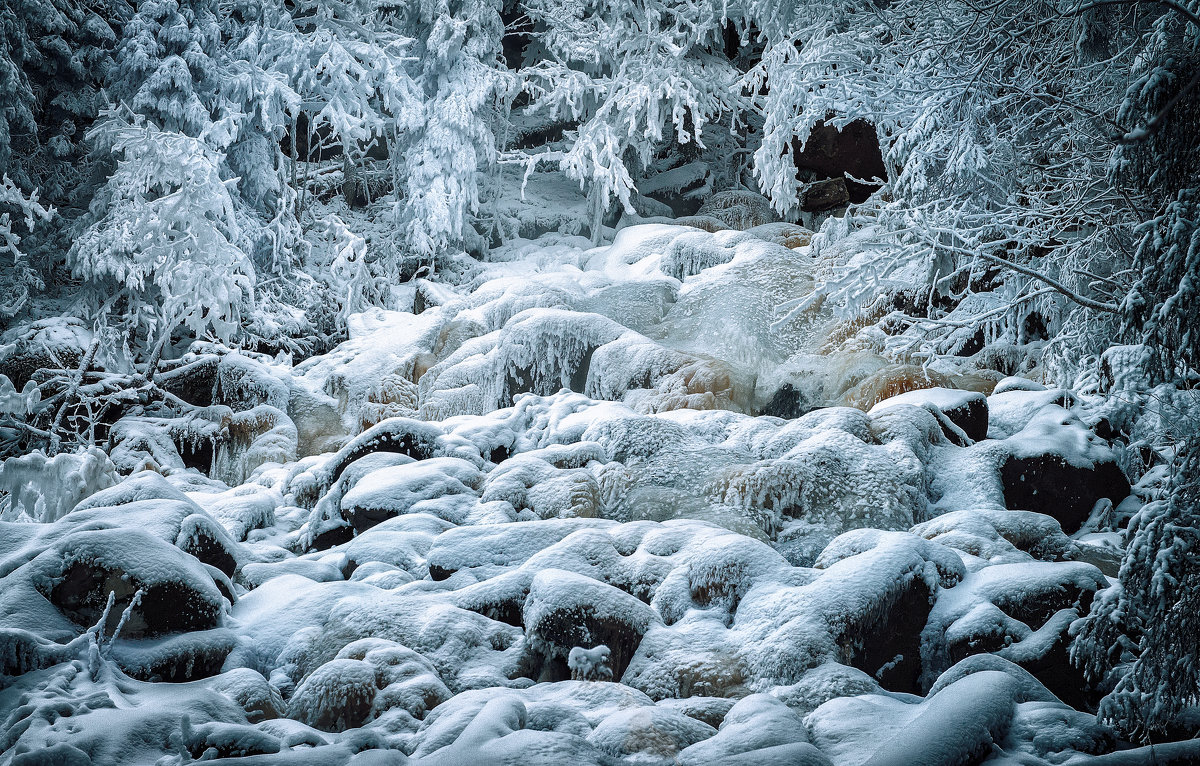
(592, 505)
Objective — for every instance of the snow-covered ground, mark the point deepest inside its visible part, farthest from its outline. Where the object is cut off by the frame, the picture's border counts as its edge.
(592, 505)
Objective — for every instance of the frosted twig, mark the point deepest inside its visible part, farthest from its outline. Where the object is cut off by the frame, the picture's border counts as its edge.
(69, 397)
(125, 615)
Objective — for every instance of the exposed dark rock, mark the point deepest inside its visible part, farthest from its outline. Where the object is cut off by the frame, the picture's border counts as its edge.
(683, 188)
(208, 550)
(166, 607)
(967, 410)
(971, 416)
(1035, 606)
(403, 435)
(523, 381)
(973, 345)
(1049, 484)
(194, 382)
(1063, 677)
(854, 150)
(888, 646)
(331, 537)
(787, 403)
(826, 194)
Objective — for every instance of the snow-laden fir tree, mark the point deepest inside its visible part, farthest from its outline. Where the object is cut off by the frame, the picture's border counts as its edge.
(452, 139)
(1142, 636)
(162, 248)
(18, 213)
(167, 65)
(632, 76)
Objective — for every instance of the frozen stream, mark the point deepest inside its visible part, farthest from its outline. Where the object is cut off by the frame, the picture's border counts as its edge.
(410, 549)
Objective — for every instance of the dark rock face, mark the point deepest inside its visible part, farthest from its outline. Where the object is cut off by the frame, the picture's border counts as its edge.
(1035, 607)
(208, 550)
(565, 610)
(401, 435)
(364, 518)
(1049, 484)
(519, 381)
(564, 629)
(167, 607)
(331, 537)
(682, 189)
(830, 153)
(787, 403)
(889, 646)
(1063, 677)
(971, 417)
(195, 382)
(826, 195)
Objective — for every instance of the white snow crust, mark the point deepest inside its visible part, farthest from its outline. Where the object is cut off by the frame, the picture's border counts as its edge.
(556, 514)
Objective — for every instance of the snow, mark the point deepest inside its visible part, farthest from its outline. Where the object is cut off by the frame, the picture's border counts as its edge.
(509, 383)
(942, 398)
(589, 664)
(959, 723)
(336, 696)
(409, 488)
(544, 518)
(652, 733)
(43, 489)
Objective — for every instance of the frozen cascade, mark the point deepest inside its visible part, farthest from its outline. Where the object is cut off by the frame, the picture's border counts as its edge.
(602, 504)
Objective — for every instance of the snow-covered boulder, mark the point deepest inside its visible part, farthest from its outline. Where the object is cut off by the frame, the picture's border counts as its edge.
(967, 411)
(336, 696)
(566, 610)
(654, 732)
(754, 723)
(57, 343)
(1057, 466)
(1000, 536)
(436, 485)
(1020, 611)
(958, 725)
(739, 209)
(249, 689)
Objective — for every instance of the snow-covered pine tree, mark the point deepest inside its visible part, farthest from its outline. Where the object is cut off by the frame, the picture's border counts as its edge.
(1142, 636)
(261, 104)
(632, 75)
(998, 189)
(166, 65)
(24, 213)
(1144, 633)
(54, 57)
(348, 64)
(161, 249)
(160, 246)
(445, 142)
